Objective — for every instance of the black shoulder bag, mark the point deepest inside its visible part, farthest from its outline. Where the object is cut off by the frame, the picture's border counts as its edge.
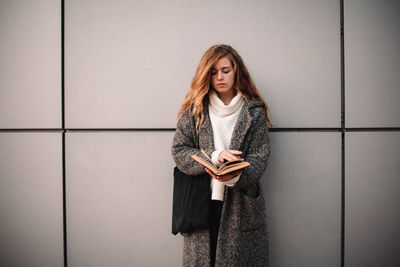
(191, 198)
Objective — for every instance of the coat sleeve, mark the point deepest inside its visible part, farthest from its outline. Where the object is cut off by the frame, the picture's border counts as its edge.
(258, 154)
(185, 144)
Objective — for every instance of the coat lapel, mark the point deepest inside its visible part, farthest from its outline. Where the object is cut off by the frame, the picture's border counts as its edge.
(206, 133)
(242, 125)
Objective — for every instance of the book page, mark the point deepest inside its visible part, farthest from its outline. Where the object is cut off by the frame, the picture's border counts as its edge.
(230, 163)
(205, 154)
(205, 163)
(234, 167)
(225, 168)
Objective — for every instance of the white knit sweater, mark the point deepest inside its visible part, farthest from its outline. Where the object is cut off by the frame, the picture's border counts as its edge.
(223, 119)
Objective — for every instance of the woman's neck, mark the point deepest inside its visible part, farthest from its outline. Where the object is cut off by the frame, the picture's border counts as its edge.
(227, 96)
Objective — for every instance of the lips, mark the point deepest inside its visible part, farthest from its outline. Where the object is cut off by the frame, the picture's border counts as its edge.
(220, 84)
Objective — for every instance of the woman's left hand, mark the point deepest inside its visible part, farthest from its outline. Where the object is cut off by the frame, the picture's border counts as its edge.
(226, 177)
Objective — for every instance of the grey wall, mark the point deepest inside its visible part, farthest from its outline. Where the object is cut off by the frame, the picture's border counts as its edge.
(103, 136)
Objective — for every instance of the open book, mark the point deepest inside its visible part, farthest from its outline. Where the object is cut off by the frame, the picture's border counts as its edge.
(225, 168)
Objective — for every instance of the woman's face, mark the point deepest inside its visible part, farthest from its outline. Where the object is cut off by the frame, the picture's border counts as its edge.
(222, 75)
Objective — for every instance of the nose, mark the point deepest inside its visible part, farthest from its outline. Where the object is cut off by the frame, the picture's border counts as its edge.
(219, 75)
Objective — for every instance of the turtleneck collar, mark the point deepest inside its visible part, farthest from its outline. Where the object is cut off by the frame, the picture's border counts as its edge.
(219, 108)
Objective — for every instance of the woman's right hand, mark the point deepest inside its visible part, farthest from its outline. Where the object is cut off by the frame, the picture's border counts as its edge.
(228, 155)
(226, 177)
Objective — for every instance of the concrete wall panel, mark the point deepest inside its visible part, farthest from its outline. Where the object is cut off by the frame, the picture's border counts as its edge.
(31, 208)
(372, 195)
(30, 64)
(119, 199)
(302, 188)
(372, 41)
(130, 63)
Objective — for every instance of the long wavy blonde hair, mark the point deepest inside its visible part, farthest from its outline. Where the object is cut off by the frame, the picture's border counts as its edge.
(201, 82)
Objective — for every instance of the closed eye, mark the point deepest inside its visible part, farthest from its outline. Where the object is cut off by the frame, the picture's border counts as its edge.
(225, 71)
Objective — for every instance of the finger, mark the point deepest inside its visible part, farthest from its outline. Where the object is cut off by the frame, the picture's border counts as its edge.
(235, 152)
(227, 177)
(238, 172)
(222, 156)
(231, 155)
(228, 156)
(232, 175)
(211, 173)
(223, 179)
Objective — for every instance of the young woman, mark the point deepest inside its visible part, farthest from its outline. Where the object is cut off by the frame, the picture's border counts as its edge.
(224, 115)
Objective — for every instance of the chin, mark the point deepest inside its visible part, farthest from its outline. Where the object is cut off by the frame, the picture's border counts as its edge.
(223, 90)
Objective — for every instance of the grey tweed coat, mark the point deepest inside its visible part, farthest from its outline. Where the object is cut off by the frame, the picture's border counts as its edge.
(243, 233)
